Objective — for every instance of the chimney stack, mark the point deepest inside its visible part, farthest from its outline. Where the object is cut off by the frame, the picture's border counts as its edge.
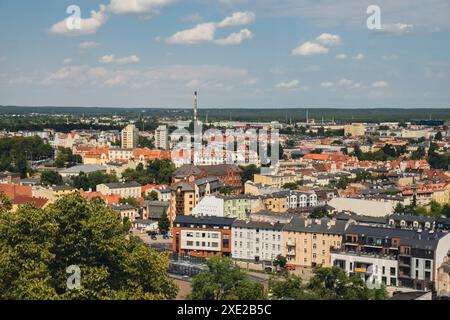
(195, 105)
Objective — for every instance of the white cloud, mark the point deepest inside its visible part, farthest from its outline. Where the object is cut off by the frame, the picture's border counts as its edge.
(120, 61)
(88, 26)
(379, 84)
(205, 32)
(128, 60)
(67, 61)
(288, 85)
(340, 83)
(329, 40)
(309, 49)
(341, 56)
(396, 28)
(88, 45)
(137, 6)
(359, 56)
(235, 39)
(107, 59)
(237, 19)
(200, 33)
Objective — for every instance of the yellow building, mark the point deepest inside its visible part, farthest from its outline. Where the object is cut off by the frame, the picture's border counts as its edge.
(59, 191)
(130, 137)
(275, 202)
(354, 130)
(275, 180)
(308, 242)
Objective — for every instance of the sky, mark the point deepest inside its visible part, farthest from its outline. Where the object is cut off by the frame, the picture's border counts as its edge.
(235, 53)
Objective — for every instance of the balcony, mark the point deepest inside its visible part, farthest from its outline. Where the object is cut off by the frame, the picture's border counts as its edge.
(291, 243)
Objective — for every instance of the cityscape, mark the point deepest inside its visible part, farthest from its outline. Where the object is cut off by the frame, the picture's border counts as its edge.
(194, 181)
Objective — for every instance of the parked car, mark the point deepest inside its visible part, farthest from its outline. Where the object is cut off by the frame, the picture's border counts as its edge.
(165, 237)
(153, 237)
(290, 267)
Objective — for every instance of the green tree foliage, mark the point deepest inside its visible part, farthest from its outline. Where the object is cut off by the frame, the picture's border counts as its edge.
(225, 281)
(15, 151)
(51, 178)
(419, 154)
(130, 201)
(66, 158)
(280, 261)
(319, 213)
(5, 203)
(91, 180)
(164, 223)
(37, 246)
(158, 171)
(326, 284)
(146, 143)
(226, 190)
(438, 136)
(436, 160)
(152, 196)
(248, 172)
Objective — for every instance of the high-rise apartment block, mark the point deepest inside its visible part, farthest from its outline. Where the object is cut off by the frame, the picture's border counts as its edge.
(130, 137)
(162, 138)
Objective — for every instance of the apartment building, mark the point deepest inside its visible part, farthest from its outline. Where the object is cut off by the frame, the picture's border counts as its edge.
(257, 241)
(394, 257)
(120, 154)
(354, 130)
(125, 189)
(202, 236)
(298, 199)
(162, 137)
(185, 196)
(130, 137)
(276, 202)
(309, 242)
(126, 211)
(274, 180)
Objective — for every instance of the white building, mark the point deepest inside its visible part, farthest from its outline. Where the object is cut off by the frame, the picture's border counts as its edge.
(209, 206)
(162, 137)
(364, 207)
(256, 240)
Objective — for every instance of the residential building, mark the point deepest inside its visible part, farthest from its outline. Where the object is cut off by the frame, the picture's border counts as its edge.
(393, 257)
(124, 189)
(354, 130)
(308, 242)
(126, 211)
(162, 137)
(257, 241)
(202, 236)
(130, 137)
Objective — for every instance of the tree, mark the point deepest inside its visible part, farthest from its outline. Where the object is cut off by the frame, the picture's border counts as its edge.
(91, 180)
(248, 172)
(226, 190)
(130, 201)
(399, 209)
(146, 143)
(161, 170)
(66, 158)
(326, 284)
(152, 196)
(280, 261)
(438, 136)
(446, 210)
(38, 245)
(5, 202)
(319, 213)
(225, 281)
(164, 222)
(51, 178)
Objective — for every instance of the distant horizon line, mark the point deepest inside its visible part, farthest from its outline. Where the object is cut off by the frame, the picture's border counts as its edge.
(225, 108)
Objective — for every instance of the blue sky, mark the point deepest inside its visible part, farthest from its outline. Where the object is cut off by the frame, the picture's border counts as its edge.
(236, 53)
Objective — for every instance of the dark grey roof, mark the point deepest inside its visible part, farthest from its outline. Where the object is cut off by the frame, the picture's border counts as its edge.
(419, 240)
(119, 185)
(411, 218)
(220, 169)
(300, 224)
(156, 208)
(206, 220)
(249, 224)
(359, 218)
(187, 170)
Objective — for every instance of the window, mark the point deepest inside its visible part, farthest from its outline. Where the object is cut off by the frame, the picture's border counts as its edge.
(392, 271)
(417, 263)
(383, 270)
(190, 243)
(393, 282)
(427, 275)
(427, 264)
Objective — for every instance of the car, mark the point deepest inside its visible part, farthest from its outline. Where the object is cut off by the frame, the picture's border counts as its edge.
(268, 269)
(153, 237)
(165, 237)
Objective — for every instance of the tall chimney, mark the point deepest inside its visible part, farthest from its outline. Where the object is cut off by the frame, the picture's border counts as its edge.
(195, 105)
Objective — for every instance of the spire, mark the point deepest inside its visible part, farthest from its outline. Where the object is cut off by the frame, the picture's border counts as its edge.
(195, 105)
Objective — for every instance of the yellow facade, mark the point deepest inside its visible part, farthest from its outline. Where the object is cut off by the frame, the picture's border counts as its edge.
(354, 130)
(309, 249)
(275, 203)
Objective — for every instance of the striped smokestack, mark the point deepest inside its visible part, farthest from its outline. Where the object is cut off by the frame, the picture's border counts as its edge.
(195, 105)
